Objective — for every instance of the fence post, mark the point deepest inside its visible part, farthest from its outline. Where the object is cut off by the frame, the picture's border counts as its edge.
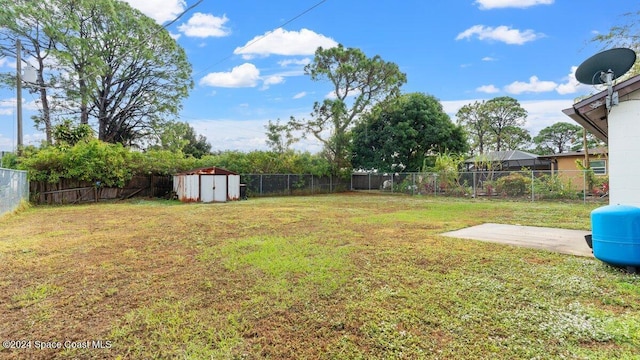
(532, 188)
(435, 184)
(260, 184)
(413, 183)
(584, 186)
(330, 183)
(475, 190)
(312, 183)
(289, 183)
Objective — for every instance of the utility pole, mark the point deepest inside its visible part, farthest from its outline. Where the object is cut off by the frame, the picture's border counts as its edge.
(19, 94)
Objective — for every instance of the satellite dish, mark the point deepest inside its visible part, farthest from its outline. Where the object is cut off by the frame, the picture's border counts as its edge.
(603, 68)
(616, 61)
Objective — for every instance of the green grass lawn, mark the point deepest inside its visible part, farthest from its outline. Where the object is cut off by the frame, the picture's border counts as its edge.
(346, 276)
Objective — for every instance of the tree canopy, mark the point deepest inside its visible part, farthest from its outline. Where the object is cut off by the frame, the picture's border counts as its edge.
(475, 121)
(504, 113)
(358, 82)
(557, 138)
(27, 21)
(399, 134)
(108, 64)
(494, 125)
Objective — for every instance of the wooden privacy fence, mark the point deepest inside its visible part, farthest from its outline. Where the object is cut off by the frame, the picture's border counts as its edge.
(73, 191)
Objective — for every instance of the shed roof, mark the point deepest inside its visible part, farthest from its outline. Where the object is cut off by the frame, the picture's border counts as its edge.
(208, 171)
(591, 112)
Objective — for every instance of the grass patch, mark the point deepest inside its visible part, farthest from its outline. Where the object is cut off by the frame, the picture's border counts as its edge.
(344, 276)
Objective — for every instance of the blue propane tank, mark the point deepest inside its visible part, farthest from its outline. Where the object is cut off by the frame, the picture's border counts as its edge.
(616, 234)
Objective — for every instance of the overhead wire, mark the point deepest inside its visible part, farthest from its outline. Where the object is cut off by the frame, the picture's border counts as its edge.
(299, 15)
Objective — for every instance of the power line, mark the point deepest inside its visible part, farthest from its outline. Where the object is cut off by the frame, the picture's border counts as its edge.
(182, 14)
(264, 36)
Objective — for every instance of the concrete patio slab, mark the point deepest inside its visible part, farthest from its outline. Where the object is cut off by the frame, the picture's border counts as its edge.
(558, 240)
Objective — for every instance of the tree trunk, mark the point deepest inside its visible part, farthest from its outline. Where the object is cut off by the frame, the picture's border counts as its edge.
(46, 111)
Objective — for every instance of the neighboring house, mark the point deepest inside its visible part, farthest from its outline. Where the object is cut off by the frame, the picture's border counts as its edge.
(513, 160)
(564, 164)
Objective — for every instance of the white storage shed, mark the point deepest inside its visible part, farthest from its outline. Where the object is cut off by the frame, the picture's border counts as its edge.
(207, 185)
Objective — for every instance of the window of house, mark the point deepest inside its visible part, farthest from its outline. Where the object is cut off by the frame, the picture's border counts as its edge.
(599, 167)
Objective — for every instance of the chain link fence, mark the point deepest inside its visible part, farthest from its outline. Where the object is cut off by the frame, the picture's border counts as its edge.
(14, 187)
(521, 185)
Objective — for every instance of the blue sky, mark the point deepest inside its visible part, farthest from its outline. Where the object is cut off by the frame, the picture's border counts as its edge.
(249, 70)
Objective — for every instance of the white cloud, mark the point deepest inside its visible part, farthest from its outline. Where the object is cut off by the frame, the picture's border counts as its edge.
(6, 144)
(300, 62)
(300, 95)
(489, 58)
(272, 80)
(205, 25)
(498, 4)
(283, 42)
(332, 94)
(543, 113)
(160, 10)
(534, 85)
(501, 33)
(8, 106)
(489, 89)
(572, 85)
(245, 75)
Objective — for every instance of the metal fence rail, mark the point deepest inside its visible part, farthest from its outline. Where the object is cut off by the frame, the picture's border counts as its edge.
(523, 185)
(14, 187)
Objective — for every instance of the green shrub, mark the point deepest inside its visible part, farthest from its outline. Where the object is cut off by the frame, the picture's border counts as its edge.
(554, 187)
(113, 164)
(92, 161)
(514, 184)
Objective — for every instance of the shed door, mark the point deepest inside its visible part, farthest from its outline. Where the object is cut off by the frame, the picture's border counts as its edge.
(220, 188)
(213, 188)
(207, 186)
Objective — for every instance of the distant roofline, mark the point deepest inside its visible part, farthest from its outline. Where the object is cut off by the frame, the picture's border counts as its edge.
(595, 151)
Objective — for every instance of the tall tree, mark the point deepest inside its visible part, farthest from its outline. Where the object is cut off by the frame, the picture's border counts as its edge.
(474, 119)
(558, 138)
(106, 62)
(503, 114)
(592, 141)
(358, 82)
(129, 74)
(399, 134)
(516, 138)
(27, 21)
